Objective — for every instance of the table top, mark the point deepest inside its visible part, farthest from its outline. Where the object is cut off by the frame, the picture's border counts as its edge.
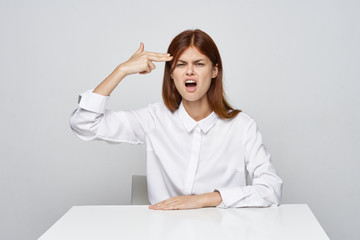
(287, 221)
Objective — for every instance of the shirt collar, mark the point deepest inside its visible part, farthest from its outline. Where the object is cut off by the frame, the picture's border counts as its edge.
(205, 124)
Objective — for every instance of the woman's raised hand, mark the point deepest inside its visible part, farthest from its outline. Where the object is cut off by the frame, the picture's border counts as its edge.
(142, 61)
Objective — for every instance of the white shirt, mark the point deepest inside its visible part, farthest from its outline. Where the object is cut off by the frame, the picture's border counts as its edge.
(186, 157)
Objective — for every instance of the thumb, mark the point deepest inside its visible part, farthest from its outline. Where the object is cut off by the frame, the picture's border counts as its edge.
(141, 48)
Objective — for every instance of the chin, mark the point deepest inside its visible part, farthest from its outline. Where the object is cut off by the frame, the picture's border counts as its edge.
(193, 98)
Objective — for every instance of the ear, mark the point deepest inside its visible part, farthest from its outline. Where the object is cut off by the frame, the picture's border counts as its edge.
(215, 71)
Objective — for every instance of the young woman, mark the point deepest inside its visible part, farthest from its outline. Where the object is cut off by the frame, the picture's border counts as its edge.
(199, 149)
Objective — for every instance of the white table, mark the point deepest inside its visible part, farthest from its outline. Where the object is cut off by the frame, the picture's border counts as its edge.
(288, 221)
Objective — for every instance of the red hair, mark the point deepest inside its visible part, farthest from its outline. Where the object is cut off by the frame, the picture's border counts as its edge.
(216, 96)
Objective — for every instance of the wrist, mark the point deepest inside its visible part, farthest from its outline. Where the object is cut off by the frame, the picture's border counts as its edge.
(211, 199)
(121, 71)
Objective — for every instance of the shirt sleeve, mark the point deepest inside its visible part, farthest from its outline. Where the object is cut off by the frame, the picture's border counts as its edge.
(93, 121)
(266, 187)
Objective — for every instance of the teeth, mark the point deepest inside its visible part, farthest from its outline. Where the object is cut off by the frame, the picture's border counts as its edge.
(190, 81)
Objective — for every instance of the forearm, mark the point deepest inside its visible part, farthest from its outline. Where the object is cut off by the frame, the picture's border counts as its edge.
(263, 193)
(106, 87)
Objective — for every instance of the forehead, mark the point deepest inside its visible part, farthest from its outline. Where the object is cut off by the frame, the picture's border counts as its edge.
(192, 53)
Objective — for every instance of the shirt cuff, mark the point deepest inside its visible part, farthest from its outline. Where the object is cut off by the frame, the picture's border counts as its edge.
(222, 204)
(231, 196)
(92, 101)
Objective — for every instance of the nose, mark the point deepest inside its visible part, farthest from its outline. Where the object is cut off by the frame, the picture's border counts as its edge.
(189, 70)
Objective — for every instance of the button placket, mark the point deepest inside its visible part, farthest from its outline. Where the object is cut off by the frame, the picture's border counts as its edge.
(194, 159)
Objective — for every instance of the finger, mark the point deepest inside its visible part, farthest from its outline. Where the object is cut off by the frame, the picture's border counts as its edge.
(160, 59)
(168, 204)
(141, 48)
(160, 205)
(156, 54)
(165, 207)
(164, 56)
(147, 70)
(152, 66)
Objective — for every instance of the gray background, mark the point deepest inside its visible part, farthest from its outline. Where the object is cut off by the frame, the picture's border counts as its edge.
(292, 65)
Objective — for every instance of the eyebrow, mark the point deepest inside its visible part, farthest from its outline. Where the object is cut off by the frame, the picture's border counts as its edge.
(196, 61)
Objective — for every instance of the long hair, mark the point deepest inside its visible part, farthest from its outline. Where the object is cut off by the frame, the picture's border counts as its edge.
(216, 96)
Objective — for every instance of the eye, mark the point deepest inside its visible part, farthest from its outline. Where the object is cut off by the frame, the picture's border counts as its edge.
(200, 64)
(180, 64)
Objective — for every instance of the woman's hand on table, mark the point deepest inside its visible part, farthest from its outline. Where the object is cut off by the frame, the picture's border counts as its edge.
(211, 199)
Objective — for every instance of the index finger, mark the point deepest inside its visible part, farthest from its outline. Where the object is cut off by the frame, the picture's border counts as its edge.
(156, 53)
(160, 58)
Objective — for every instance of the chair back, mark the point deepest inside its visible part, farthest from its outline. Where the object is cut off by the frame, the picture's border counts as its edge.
(139, 191)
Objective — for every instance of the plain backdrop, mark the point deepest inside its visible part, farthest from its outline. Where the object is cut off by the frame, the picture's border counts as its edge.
(292, 65)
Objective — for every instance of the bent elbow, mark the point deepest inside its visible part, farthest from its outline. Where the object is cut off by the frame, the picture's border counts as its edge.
(83, 125)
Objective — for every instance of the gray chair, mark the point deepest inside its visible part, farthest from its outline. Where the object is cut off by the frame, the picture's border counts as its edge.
(139, 191)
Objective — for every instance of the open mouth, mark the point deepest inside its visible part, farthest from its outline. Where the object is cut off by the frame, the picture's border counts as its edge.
(190, 85)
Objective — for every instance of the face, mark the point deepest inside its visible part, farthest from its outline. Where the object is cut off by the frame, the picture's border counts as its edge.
(192, 75)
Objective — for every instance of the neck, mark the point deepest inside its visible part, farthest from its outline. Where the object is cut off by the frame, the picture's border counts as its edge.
(198, 109)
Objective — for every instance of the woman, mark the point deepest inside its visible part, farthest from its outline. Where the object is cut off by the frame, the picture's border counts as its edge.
(199, 149)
